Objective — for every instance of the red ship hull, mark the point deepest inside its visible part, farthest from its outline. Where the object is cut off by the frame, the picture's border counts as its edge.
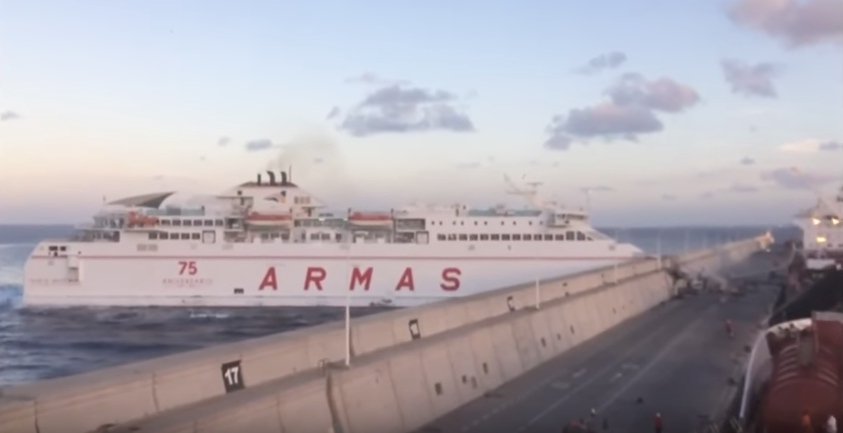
(805, 377)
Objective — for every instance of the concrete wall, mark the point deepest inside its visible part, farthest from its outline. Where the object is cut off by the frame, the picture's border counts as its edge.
(467, 346)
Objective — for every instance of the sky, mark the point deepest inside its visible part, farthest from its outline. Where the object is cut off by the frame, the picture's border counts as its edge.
(667, 112)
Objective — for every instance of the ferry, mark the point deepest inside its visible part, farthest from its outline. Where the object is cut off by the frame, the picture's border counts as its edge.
(268, 242)
(822, 234)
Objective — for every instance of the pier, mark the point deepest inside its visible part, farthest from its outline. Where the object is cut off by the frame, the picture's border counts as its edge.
(471, 363)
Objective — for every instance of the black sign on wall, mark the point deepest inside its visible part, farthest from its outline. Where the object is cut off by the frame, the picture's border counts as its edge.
(510, 303)
(232, 376)
(415, 330)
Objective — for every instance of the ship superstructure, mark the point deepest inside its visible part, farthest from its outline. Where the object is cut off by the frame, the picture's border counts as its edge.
(822, 233)
(270, 242)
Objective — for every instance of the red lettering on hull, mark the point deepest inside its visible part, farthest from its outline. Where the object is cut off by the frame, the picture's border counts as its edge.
(362, 278)
(315, 275)
(270, 280)
(406, 281)
(450, 279)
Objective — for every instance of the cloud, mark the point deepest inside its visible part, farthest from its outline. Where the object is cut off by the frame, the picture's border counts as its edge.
(830, 146)
(630, 111)
(751, 80)
(602, 62)
(746, 161)
(742, 189)
(788, 178)
(400, 109)
(333, 113)
(668, 197)
(811, 145)
(706, 195)
(260, 144)
(203, 158)
(223, 141)
(9, 115)
(796, 22)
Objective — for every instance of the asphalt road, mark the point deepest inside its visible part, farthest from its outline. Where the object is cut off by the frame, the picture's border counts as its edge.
(676, 357)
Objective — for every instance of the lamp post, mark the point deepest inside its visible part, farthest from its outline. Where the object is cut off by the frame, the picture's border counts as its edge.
(350, 266)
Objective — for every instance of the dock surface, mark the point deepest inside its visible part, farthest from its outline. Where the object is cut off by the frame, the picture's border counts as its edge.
(675, 360)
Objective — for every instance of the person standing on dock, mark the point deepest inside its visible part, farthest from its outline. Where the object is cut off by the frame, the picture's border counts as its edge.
(806, 423)
(657, 423)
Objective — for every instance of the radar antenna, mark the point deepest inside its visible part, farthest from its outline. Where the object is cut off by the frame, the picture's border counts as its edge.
(528, 194)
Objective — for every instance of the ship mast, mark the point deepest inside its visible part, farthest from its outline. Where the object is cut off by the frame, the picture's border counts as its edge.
(529, 194)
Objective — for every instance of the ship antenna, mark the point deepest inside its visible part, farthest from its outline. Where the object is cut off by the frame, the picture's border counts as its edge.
(527, 194)
(290, 172)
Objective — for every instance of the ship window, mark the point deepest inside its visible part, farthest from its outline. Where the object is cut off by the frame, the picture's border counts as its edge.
(188, 223)
(176, 223)
(503, 222)
(537, 237)
(153, 236)
(165, 222)
(197, 222)
(208, 223)
(559, 237)
(195, 236)
(548, 237)
(286, 237)
(496, 237)
(453, 223)
(531, 223)
(472, 237)
(516, 237)
(475, 222)
(185, 236)
(452, 237)
(162, 235)
(174, 236)
(580, 236)
(570, 236)
(326, 236)
(485, 223)
(219, 223)
(484, 237)
(440, 237)
(463, 237)
(528, 237)
(462, 223)
(504, 237)
(314, 236)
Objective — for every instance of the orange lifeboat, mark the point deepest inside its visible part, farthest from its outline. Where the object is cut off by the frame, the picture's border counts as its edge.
(260, 219)
(370, 219)
(805, 377)
(133, 219)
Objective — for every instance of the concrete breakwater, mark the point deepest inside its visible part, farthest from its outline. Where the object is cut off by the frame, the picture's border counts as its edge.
(409, 366)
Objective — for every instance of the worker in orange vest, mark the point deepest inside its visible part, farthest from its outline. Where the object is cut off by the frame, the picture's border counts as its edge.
(807, 427)
(657, 423)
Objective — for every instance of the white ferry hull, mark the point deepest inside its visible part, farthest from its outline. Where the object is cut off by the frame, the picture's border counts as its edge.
(113, 274)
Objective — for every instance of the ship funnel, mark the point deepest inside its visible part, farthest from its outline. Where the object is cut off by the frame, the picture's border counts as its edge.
(283, 177)
(271, 177)
(259, 178)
